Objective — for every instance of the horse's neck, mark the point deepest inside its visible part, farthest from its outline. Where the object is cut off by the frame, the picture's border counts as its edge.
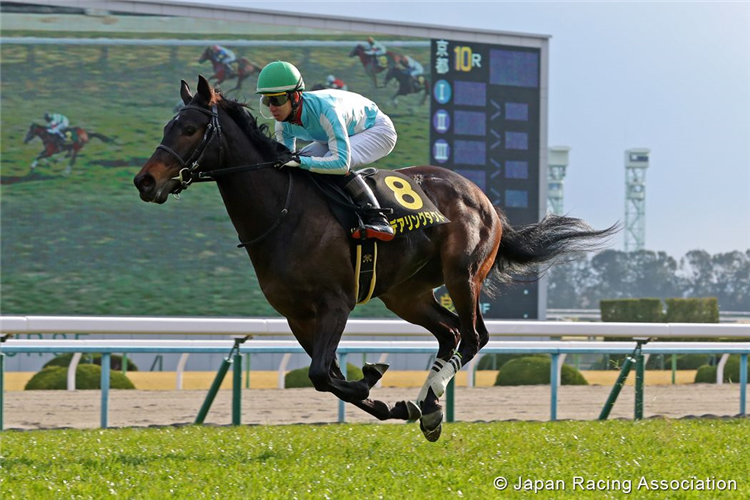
(253, 199)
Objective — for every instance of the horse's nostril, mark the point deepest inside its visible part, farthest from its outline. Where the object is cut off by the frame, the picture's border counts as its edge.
(144, 183)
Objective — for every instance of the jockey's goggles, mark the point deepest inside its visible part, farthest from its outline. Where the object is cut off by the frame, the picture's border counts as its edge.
(275, 99)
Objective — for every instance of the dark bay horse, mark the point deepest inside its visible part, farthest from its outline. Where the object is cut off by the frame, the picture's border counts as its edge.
(407, 84)
(53, 146)
(303, 260)
(245, 69)
(373, 64)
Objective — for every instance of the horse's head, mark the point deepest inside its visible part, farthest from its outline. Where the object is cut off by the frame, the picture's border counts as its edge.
(187, 140)
(356, 51)
(206, 56)
(33, 131)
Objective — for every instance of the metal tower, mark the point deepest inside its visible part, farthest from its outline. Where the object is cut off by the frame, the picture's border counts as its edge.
(558, 163)
(636, 163)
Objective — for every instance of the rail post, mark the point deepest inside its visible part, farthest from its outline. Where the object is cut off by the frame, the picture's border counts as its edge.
(639, 383)
(342, 407)
(106, 357)
(237, 389)
(743, 386)
(450, 401)
(554, 382)
(216, 385)
(247, 370)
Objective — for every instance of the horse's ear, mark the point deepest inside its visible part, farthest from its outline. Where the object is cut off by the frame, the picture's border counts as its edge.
(204, 89)
(185, 93)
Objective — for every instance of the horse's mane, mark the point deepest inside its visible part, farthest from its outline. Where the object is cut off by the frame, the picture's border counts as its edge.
(260, 135)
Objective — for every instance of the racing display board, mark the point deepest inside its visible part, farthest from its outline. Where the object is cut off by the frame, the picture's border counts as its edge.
(75, 238)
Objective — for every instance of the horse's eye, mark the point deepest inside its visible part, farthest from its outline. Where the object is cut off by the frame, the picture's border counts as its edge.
(188, 130)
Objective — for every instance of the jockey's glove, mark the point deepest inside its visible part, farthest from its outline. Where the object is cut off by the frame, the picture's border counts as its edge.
(287, 159)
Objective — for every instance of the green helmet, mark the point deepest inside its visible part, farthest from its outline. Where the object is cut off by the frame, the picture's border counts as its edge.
(278, 77)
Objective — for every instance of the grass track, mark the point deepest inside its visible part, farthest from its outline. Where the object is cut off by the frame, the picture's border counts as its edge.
(376, 461)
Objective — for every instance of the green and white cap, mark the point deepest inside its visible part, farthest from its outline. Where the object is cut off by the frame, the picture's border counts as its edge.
(279, 77)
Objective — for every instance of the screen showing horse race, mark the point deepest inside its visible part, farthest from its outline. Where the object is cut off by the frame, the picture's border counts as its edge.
(86, 95)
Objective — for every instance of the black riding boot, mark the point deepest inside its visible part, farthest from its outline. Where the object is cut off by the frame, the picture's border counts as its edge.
(376, 224)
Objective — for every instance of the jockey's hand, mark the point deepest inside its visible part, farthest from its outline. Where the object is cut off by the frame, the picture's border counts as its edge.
(288, 159)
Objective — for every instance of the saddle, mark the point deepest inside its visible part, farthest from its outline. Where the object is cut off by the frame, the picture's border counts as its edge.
(404, 203)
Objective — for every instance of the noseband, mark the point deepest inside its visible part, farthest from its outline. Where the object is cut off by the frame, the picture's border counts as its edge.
(189, 171)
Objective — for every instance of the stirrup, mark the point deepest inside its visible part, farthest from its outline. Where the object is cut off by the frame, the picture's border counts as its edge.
(372, 232)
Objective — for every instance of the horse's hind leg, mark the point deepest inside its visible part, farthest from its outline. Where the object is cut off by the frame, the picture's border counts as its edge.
(425, 311)
(464, 274)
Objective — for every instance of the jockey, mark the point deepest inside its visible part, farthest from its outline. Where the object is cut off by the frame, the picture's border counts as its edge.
(346, 130)
(376, 49)
(224, 56)
(57, 124)
(412, 67)
(335, 83)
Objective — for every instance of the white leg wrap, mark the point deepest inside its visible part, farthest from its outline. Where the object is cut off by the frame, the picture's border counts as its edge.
(434, 371)
(439, 381)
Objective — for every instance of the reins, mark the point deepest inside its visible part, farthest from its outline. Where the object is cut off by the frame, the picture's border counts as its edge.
(189, 171)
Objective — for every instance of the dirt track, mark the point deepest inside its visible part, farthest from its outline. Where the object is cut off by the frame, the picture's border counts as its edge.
(81, 409)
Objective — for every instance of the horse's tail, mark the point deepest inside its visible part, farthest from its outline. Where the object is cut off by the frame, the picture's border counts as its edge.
(532, 249)
(101, 137)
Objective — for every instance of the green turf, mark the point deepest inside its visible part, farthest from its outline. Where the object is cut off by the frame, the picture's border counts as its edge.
(373, 461)
(86, 244)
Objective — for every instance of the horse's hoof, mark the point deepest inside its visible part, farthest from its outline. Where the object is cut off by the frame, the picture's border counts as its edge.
(376, 368)
(413, 410)
(432, 425)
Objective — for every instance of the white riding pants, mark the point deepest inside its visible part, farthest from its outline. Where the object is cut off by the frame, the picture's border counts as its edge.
(367, 146)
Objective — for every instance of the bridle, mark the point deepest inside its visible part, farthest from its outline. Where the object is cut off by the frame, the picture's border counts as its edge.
(189, 172)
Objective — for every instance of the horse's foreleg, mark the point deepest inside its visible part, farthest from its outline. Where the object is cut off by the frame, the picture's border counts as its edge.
(380, 409)
(328, 328)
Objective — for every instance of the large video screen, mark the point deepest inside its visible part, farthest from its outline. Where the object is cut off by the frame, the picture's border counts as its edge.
(77, 240)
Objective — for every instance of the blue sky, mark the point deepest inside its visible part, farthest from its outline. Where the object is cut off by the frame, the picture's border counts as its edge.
(670, 76)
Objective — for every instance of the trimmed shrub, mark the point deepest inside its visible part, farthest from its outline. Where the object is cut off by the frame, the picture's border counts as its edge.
(115, 362)
(495, 361)
(534, 370)
(705, 310)
(87, 377)
(632, 310)
(691, 361)
(707, 374)
(299, 378)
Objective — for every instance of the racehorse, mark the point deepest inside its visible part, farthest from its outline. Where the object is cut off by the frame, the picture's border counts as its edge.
(407, 84)
(302, 256)
(244, 69)
(374, 64)
(52, 144)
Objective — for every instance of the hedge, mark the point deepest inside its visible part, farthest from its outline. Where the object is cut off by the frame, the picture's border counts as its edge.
(299, 377)
(496, 361)
(87, 377)
(632, 310)
(115, 362)
(534, 370)
(707, 374)
(704, 310)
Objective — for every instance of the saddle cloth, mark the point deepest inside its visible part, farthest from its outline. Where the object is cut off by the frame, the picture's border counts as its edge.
(411, 209)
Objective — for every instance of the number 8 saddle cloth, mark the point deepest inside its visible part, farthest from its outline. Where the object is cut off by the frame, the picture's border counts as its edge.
(405, 204)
